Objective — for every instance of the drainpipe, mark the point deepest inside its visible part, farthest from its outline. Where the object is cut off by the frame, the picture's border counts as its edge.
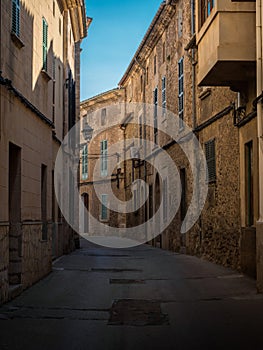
(259, 226)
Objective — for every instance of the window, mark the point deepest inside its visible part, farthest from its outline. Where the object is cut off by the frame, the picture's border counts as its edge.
(59, 86)
(104, 209)
(16, 17)
(141, 83)
(45, 41)
(140, 130)
(103, 116)
(183, 194)
(155, 114)
(59, 26)
(165, 202)
(147, 75)
(181, 92)
(104, 158)
(150, 201)
(135, 200)
(180, 23)
(210, 160)
(154, 65)
(164, 52)
(163, 94)
(206, 8)
(85, 163)
(249, 183)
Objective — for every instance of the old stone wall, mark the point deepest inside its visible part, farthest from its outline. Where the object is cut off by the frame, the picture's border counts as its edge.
(4, 260)
(104, 113)
(216, 235)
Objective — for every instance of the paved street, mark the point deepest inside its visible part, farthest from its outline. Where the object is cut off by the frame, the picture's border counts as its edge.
(139, 298)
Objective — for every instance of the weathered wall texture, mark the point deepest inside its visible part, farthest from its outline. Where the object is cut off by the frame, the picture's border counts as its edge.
(105, 127)
(35, 107)
(216, 235)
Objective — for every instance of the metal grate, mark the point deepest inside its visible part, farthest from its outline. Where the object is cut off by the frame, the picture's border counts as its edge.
(133, 312)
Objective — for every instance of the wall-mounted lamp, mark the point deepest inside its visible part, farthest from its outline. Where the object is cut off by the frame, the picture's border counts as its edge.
(87, 132)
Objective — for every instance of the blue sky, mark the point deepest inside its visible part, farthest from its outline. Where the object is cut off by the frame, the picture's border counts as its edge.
(114, 35)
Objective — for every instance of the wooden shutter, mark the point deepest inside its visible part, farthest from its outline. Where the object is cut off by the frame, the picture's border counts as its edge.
(45, 43)
(16, 17)
(210, 160)
(104, 157)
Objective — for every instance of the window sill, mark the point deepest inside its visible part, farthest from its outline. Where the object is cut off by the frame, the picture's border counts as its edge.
(104, 220)
(45, 75)
(205, 94)
(17, 41)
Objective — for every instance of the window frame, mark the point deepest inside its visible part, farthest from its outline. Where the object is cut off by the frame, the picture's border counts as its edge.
(85, 170)
(165, 199)
(104, 208)
(103, 116)
(206, 7)
(155, 65)
(163, 95)
(210, 155)
(249, 183)
(15, 26)
(45, 43)
(155, 115)
(104, 158)
(181, 92)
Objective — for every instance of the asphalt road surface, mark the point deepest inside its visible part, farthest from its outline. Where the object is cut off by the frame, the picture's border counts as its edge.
(136, 298)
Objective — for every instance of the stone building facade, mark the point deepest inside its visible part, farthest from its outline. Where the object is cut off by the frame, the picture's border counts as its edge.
(103, 114)
(39, 86)
(196, 63)
(231, 55)
(169, 51)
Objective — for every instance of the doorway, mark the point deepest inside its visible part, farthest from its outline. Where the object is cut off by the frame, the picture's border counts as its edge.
(15, 229)
(84, 216)
(158, 240)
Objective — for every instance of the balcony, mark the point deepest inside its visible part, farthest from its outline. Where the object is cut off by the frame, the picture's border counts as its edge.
(226, 43)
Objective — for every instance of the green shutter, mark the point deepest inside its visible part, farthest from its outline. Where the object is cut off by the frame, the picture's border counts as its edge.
(45, 43)
(85, 163)
(16, 17)
(104, 157)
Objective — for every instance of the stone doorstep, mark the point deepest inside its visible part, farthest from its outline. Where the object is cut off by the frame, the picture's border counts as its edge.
(14, 290)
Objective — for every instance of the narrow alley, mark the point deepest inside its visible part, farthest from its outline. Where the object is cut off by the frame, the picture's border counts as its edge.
(137, 298)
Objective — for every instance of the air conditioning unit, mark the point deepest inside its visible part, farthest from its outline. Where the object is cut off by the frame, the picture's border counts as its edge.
(134, 153)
